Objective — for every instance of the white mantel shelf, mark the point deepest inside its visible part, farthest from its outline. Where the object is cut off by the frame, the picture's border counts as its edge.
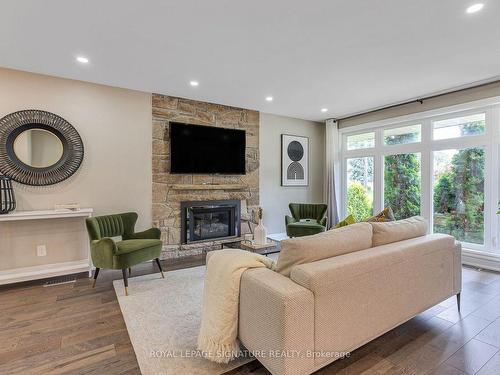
(46, 214)
(47, 270)
(208, 186)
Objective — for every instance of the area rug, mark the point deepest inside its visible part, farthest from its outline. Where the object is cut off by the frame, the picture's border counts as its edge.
(163, 318)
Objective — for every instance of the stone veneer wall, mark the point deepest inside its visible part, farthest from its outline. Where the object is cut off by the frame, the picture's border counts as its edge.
(167, 199)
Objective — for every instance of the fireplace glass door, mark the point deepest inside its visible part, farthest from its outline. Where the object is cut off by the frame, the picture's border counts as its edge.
(211, 223)
(209, 220)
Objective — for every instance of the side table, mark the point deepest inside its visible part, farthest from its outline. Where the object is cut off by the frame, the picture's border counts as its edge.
(269, 248)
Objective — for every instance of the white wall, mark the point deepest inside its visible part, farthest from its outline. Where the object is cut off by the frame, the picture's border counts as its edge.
(274, 198)
(115, 125)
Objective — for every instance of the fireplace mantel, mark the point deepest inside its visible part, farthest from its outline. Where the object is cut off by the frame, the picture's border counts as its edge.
(208, 186)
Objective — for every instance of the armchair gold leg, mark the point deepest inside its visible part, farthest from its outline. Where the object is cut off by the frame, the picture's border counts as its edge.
(125, 280)
(96, 273)
(159, 266)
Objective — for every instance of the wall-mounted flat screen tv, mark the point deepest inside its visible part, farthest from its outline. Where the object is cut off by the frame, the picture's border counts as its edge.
(206, 149)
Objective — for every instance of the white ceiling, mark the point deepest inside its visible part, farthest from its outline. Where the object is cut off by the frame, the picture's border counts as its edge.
(345, 55)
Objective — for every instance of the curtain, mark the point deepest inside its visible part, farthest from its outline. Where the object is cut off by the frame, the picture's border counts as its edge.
(332, 175)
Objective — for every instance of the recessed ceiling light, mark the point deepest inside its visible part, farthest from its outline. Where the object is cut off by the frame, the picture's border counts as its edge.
(82, 59)
(475, 8)
(194, 83)
(269, 98)
(324, 110)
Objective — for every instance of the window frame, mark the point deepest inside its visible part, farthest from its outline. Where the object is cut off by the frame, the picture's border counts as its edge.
(489, 140)
(415, 123)
(444, 117)
(344, 141)
(345, 180)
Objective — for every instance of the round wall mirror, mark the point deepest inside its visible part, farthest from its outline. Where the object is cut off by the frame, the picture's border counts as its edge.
(38, 148)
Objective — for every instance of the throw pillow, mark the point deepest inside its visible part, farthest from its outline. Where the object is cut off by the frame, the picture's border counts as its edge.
(385, 215)
(324, 245)
(400, 230)
(347, 221)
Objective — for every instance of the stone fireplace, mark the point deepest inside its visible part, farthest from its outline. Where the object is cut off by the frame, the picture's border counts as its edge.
(170, 191)
(210, 220)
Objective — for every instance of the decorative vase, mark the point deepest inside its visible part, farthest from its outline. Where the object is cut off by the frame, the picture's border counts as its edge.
(7, 199)
(260, 232)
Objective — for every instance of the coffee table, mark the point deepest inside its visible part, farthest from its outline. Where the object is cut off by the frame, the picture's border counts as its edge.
(271, 247)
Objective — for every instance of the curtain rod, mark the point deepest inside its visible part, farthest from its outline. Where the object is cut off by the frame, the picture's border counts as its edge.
(419, 100)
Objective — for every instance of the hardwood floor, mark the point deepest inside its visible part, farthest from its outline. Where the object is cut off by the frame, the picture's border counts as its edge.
(73, 329)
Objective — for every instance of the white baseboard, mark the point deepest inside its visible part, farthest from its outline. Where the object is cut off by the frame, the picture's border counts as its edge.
(43, 271)
(479, 259)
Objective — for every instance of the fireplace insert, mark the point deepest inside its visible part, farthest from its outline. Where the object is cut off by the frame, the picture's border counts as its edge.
(209, 220)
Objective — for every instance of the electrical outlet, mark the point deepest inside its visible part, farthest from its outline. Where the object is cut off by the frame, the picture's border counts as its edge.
(41, 250)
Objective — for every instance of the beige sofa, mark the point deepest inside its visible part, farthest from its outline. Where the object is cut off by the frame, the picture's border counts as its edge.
(345, 288)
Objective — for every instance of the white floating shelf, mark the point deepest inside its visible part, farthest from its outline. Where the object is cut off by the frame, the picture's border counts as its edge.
(15, 275)
(46, 214)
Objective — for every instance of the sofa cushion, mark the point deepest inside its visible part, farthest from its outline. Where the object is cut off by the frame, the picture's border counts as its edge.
(304, 227)
(399, 230)
(328, 244)
(129, 246)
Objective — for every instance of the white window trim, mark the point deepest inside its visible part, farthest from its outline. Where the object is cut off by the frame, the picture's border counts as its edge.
(490, 140)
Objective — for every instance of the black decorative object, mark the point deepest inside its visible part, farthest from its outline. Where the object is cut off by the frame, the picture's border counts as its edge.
(7, 199)
(66, 164)
(294, 160)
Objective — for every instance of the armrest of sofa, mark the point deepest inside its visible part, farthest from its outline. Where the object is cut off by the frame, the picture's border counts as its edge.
(277, 315)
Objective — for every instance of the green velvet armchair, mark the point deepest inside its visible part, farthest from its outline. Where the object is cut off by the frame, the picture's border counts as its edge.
(134, 248)
(306, 219)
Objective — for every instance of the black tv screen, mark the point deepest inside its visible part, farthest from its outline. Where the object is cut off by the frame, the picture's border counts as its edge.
(206, 149)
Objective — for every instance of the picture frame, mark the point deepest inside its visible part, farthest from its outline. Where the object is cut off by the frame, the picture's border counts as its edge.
(294, 160)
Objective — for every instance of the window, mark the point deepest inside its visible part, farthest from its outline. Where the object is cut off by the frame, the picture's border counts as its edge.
(359, 141)
(360, 187)
(459, 194)
(402, 184)
(434, 166)
(402, 135)
(459, 126)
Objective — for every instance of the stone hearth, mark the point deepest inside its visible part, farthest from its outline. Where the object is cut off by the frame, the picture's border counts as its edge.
(170, 190)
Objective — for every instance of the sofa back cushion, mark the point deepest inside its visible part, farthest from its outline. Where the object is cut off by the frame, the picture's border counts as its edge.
(324, 245)
(399, 230)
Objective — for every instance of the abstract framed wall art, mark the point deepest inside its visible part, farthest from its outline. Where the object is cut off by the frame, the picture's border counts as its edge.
(294, 160)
